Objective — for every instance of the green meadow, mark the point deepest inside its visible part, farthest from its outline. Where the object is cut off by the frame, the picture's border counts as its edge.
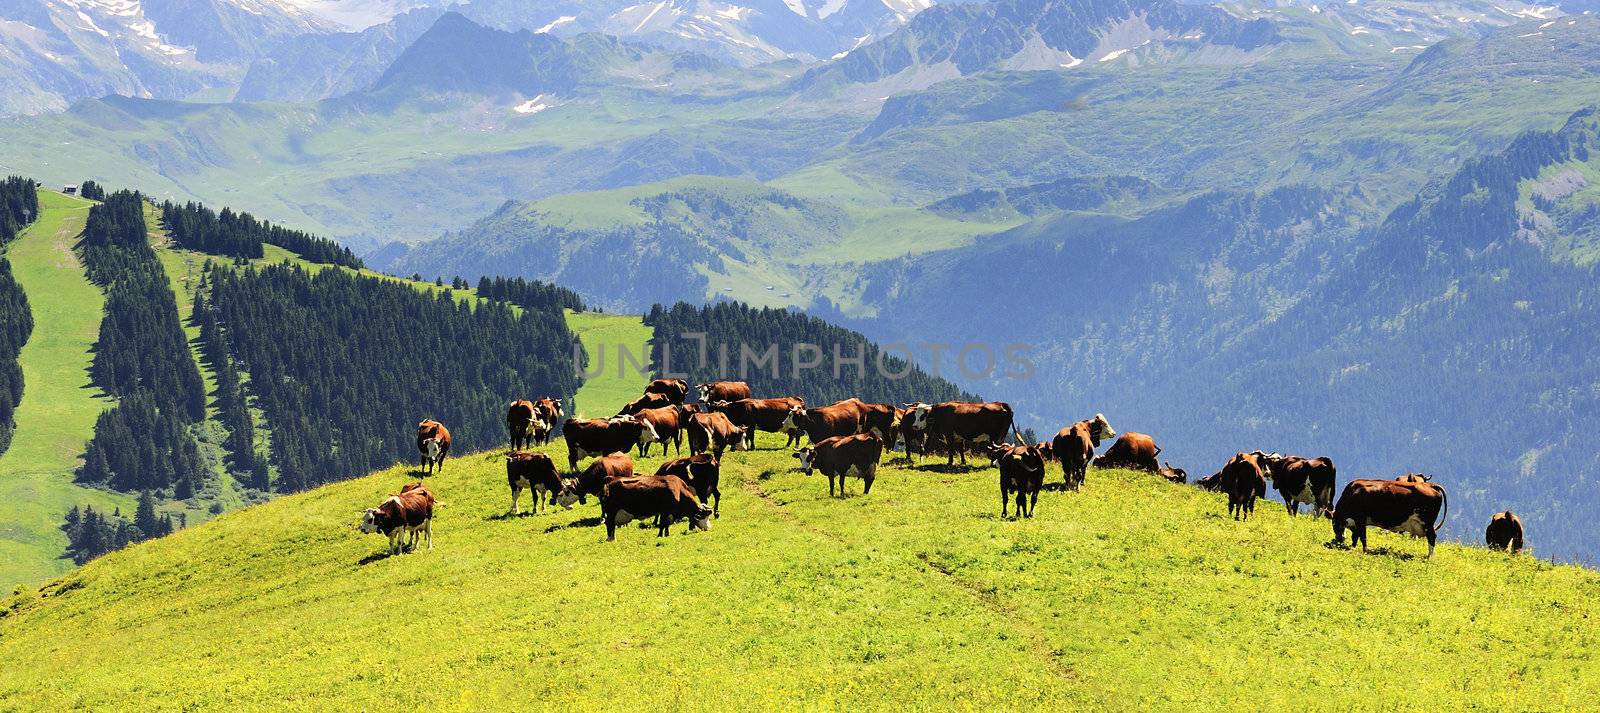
(610, 382)
(1134, 594)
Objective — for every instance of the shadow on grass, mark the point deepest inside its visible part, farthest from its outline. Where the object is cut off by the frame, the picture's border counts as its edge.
(548, 510)
(580, 522)
(957, 468)
(384, 554)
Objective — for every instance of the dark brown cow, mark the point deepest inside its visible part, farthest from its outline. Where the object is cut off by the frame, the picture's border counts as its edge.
(823, 422)
(526, 469)
(644, 402)
(876, 419)
(762, 415)
(1176, 475)
(665, 497)
(676, 390)
(520, 421)
(1074, 447)
(1244, 479)
(912, 433)
(1505, 531)
(703, 473)
(1414, 478)
(1302, 480)
(854, 455)
(1021, 472)
(667, 422)
(593, 479)
(958, 424)
(1210, 482)
(405, 513)
(1047, 451)
(713, 432)
(433, 441)
(549, 413)
(596, 437)
(1132, 450)
(1414, 507)
(723, 391)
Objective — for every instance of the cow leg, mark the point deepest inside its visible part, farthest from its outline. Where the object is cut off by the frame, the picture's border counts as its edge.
(611, 526)
(1005, 500)
(427, 531)
(516, 491)
(1433, 537)
(716, 506)
(1033, 502)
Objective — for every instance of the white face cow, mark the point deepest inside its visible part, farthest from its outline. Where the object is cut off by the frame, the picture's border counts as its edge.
(739, 443)
(792, 421)
(369, 521)
(1103, 427)
(918, 413)
(804, 454)
(430, 449)
(560, 411)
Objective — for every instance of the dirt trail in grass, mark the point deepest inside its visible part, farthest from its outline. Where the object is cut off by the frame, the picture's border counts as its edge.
(59, 407)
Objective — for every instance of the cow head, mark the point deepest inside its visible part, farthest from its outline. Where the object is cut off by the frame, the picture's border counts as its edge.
(369, 521)
(804, 455)
(569, 494)
(739, 443)
(430, 449)
(704, 390)
(918, 413)
(1028, 458)
(1100, 429)
(560, 410)
(701, 520)
(793, 420)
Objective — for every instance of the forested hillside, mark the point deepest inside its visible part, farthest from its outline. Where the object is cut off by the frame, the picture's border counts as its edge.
(758, 346)
(19, 205)
(241, 235)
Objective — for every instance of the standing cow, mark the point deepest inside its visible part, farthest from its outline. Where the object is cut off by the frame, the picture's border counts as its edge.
(1302, 480)
(403, 514)
(958, 424)
(667, 424)
(526, 469)
(521, 420)
(854, 455)
(723, 391)
(547, 412)
(598, 437)
(433, 442)
(1074, 447)
(714, 432)
(1505, 531)
(665, 497)
(768, 415)
(1022, 473)
(676, 390)
(703, 473)
(1414, 506)
(1244, 479)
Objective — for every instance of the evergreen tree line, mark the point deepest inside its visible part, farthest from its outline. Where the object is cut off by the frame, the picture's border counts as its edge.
(233, 408)
(142, 358)
(93, 191)
(16, 323)
(343, 366)
(19, 206)
(91, 533)
(241, 235)
(530, 294)
(728, 325)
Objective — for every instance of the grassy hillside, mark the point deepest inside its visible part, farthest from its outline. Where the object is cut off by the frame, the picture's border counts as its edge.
(58, 409)
(605, 393)
(917, 595)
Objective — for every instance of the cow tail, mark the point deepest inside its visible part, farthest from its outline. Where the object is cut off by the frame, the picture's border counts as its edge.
(1444, 510)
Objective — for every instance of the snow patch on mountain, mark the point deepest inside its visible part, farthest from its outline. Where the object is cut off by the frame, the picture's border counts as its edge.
(553, 24)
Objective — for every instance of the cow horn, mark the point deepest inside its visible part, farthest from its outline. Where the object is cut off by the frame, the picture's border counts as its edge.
(1020, 439)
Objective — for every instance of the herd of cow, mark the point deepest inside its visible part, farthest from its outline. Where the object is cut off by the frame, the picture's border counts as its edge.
(851, 437)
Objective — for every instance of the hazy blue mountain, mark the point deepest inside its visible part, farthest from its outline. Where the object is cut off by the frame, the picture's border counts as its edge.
(322, 65)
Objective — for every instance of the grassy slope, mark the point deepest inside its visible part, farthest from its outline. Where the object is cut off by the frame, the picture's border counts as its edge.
(1133, 594)
(59, 407)
(605, 393)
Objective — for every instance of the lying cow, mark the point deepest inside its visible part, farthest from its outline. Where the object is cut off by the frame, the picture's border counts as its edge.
(665, 497)
(1505, 531)
(1244, 479)
(1175, 475)
(1074, 447)
(1414, 507)
(1302, 480)
(676, 390)
(723, 391)
(596, 437)
(526, 469)
(1133, 450)
(854, 455)
(1022, 473)
(713, 432)
(703, 473)
(770, 415)
(403, 514)
(433, 442)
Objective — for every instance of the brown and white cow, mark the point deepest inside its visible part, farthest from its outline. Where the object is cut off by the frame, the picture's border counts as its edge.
(547, 412)
(405, 513)
(1414, 507)
(521, 418)
(665, 497)
(1132, 450)
(1022, 473)
(676, 390)
(1505, 531)
(1302, 480)
(876, 419)
(958, 424)
(1244, 479)
(1074, 447)
(823, 422)
(768, 415)
(714, 432)
(853, 455)
(433, 442)
(1175, 475)
(644, 402)
(703, 473)
(667, 422)
(596, 437)
(913, 429)
(593, 479)
(526, 469)
(723, 391)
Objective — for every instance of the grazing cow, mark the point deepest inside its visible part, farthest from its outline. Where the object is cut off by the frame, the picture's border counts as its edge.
(1210, 482)
(823, 422)
(433, 441)
(1021, 472)
(1302, 480)
(1244, 479)
(703, 473)
(406, 513)
(525, 469)
(549, 413)
(593, 479)
(957, 424)
(714, 432)
(1505, 531)
(601, 436)
(723, 391)
(1132, 450)
(1074, 447)
(1176, 475)
(667, 422)
(676, 390)
(644, 402)
(666, 497)
(768, 415)
(520, 422)
(853, 455)
(1414, 507)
